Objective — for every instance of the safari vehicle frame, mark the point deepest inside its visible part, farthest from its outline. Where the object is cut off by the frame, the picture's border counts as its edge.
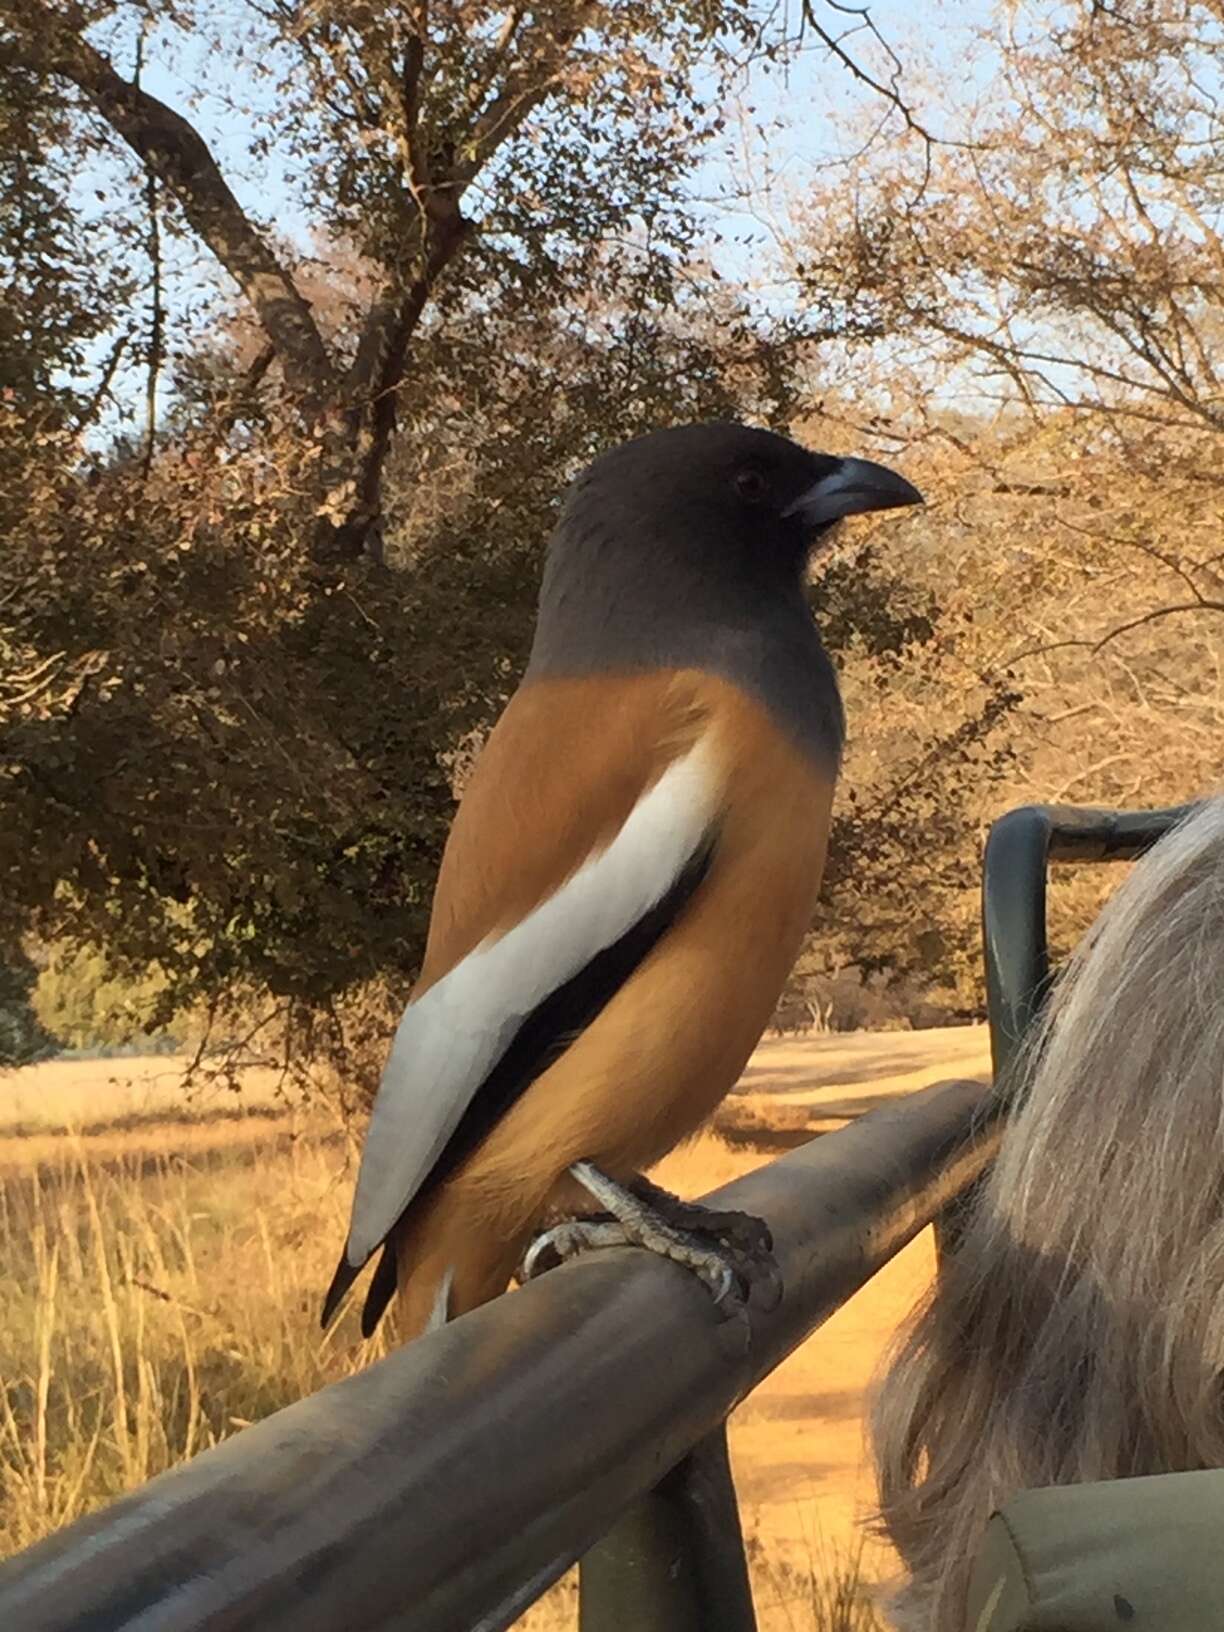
(582, 1418)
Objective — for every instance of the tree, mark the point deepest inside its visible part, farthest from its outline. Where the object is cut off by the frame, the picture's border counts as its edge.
(58, 299)
(1038, 235)
(1058, 249)
(248, 650)
(493, 150)
(23, 1037)
(79, 1002)
(245, 654)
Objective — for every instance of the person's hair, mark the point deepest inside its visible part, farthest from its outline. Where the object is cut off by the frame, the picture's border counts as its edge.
(1076, 1332)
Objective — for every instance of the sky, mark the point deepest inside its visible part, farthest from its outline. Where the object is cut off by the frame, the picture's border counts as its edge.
(794, 131)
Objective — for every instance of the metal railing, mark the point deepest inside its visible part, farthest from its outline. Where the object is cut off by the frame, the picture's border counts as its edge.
(583, 1417)
(1019, 849)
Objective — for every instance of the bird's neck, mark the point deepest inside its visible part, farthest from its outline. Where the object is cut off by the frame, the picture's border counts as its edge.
(606, 612)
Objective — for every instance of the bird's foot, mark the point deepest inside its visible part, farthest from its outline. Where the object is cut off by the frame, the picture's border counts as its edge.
(730, 1253)
(569, 1239)
(741, 1231)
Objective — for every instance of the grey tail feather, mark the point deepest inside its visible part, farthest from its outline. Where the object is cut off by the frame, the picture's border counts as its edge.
(382, 1289)
(341, 1281)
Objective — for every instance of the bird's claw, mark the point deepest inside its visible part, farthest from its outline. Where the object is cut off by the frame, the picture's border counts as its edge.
(575, 1236)
(746, 1242)
(568, 1240)
(730, 1253)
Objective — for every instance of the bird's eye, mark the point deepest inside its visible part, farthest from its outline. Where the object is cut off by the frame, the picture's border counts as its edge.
(751, 485)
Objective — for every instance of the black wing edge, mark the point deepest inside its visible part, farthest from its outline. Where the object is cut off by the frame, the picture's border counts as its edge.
(541, 1039)
(381, 1290)
(341, 1281)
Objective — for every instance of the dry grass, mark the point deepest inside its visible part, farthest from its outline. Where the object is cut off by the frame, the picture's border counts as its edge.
(153, 1304)
(826, 1594)
(159, 1286)
(114, 1095)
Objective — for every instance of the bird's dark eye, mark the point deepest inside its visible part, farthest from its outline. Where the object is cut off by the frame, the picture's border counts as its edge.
(751, 485)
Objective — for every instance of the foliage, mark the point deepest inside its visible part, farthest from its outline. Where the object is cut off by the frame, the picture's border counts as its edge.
(1037, 233)
(212, 693)
(81, 1002)
(245, 656)
(233, 728)
(59, 298)
(1056, 250)
(23, 1038)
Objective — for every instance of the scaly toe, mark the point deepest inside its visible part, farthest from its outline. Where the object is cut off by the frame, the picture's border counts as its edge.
(742, 1231)
(729, 1252)
(714, 1266)
(567, 1240)
(720, 1279)
(733, 1275)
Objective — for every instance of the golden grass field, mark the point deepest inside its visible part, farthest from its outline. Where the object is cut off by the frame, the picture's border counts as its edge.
(161, 1266)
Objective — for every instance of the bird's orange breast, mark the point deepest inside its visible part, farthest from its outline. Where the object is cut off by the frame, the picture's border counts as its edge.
(674, 1039)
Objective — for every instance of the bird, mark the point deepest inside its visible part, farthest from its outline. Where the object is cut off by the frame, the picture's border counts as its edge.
(631, 869)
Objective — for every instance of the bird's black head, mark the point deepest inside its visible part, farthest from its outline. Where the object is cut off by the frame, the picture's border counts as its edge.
(740, 495)
(687, 549)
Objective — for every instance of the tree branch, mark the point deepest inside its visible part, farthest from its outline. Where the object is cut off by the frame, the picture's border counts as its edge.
(157, 308)
(541, 51)
(175, 152)
(437, 184)
(1202, 604)
(394, 313)
(1198, 605)
(109, 370)
(439, 208)
(889, 92)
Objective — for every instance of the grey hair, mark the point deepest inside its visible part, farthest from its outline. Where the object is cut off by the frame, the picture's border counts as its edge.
(1077, 1332)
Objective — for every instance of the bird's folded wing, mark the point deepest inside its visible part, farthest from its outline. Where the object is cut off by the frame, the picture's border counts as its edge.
(462, 1020)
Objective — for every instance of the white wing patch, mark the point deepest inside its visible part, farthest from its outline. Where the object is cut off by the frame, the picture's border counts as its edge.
(450, 1039)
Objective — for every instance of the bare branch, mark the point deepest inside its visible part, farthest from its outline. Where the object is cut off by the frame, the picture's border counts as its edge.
(109, 370)
(889, 92)
(1140, 545)
(230, 406)
(505, 38)
(541, 53)
(157, 311)
(438, 185)
(437, 204)
(1099, 645)
(1201, 605)
(181, 160)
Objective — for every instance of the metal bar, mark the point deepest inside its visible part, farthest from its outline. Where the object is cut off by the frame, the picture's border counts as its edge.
(674, 1562)
(1014, 943)
(451, 1483)
(1019, 849)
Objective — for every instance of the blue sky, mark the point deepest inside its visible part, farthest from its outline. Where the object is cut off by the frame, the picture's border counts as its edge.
(796, 129)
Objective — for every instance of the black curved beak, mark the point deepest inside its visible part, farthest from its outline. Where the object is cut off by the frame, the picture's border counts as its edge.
(853, 488)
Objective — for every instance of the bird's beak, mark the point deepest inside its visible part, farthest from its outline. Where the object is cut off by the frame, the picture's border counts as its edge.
(855, 486)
